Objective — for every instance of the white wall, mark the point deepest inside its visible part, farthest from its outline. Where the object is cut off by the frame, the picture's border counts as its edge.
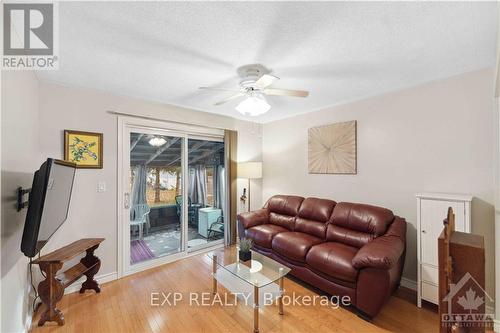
(20, 157)
(437, 137)
(94, 214)
(34, 116)
(497, 208)
(497, 183)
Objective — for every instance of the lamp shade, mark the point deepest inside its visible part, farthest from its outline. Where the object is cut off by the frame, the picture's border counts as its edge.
(250, 170)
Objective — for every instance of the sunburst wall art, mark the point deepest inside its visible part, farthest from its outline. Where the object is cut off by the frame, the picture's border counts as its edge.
(332, 148)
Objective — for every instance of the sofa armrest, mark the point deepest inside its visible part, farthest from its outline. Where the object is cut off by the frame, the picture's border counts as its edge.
(251, 219)
(383, 252)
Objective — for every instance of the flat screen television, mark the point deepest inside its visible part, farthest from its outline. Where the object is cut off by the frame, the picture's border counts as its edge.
(48, 204)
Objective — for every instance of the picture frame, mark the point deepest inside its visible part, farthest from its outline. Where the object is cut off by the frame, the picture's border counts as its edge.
(84, 149)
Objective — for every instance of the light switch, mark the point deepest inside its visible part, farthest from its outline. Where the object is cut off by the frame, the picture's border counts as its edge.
(101, 187)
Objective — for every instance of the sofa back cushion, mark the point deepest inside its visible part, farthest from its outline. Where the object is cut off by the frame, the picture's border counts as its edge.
(357, 224)
(283, 209)
(313, 215)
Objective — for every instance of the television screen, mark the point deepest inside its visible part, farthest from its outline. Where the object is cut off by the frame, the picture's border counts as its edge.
(48, 204)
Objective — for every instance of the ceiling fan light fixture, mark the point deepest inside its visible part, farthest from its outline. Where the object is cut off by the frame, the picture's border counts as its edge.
(253, 105)
(157, 141)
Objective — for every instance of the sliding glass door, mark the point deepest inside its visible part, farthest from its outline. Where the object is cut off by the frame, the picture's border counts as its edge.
(156, 193)
(172, 193)
(206, 192)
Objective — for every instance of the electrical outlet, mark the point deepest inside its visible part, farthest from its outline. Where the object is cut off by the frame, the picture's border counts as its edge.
(101, 187)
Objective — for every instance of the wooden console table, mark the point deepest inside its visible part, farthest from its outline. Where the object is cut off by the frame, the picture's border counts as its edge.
(51, 290)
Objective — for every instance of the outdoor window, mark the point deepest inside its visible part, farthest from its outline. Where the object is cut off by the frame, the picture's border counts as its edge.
(210, 186)
(163, 185)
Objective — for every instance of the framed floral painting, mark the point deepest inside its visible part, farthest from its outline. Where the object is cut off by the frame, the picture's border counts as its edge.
(83, 148)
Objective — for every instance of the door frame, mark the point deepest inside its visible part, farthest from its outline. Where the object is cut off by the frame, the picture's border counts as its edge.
(184, 131)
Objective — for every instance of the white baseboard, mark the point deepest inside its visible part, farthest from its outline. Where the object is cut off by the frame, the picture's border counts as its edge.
(408, 283)
(71, 289)
(496, 325)
(100, 279)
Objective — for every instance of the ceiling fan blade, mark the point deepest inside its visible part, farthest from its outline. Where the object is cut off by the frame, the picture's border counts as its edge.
(285, 92)
(265, 81)
(229, 99)
(219, 89)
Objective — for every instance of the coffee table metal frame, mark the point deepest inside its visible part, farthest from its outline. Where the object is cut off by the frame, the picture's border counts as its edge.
(278, 276)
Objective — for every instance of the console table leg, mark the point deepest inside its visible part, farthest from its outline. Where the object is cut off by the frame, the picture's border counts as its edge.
(280, 297)
(256, 309)
(214, 271)
(51, 291)
(91, 260)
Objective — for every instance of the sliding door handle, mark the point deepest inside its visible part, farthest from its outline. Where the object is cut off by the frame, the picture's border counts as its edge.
(126, 200)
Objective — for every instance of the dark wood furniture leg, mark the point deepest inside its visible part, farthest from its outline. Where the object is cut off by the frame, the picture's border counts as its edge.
(51, 291)
(90, 260)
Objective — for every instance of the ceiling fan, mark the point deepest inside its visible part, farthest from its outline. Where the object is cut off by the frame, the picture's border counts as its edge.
(254, 87)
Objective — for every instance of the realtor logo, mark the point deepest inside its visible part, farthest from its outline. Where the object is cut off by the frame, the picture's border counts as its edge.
(29, 36)
(466, 304)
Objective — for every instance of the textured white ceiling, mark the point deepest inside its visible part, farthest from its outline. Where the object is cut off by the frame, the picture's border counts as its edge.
(339, 51)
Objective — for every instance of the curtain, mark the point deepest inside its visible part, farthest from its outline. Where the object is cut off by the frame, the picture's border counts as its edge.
(230, 150)
(198, 184)
(219, 187)
(138, 188)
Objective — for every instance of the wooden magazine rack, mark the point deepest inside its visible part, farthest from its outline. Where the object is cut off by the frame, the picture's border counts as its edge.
(51, 290)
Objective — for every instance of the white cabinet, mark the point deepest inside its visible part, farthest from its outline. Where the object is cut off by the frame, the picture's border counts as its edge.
(207, 216)
(432, 209)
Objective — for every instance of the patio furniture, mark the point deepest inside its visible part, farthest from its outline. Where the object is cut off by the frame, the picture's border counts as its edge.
(192, 209)
(206, 217)
(139, 218)
(216, 228)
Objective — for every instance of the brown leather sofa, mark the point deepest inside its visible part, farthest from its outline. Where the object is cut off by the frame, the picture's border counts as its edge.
(344, 249)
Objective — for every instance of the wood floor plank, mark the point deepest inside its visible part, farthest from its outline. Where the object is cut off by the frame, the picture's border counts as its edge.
(124, 306)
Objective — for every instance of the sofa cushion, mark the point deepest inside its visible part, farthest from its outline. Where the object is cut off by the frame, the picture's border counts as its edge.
(313, 228)
(357, 224)
(363, 218)
(283, 209)
(262, 235)
(316, 209)
(284, 221)
(333, 259)
(347, 236)
(313, 215)
(284, 204)
(294, 245)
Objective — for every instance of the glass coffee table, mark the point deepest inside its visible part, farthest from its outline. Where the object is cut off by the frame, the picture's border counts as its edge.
(260, 277)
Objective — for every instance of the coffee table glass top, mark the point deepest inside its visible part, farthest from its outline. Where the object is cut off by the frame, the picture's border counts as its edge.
(259, 272)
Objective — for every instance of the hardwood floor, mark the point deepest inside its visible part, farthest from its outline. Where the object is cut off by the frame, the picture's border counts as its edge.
(125, 306)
